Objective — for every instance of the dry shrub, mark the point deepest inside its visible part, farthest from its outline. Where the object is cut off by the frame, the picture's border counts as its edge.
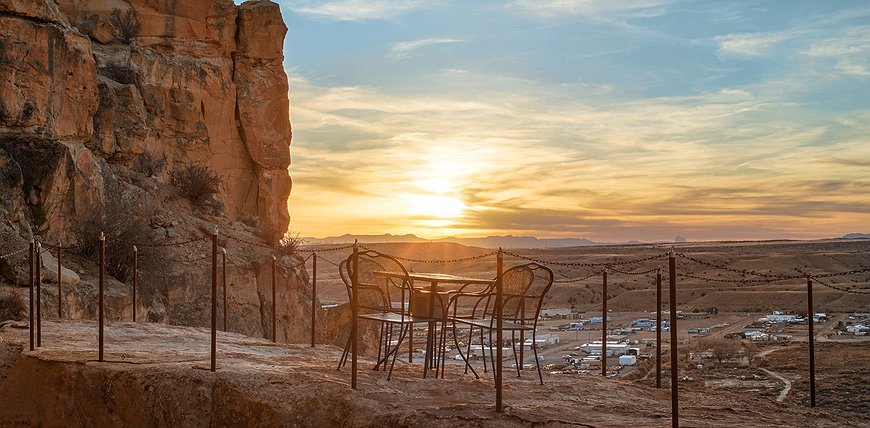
(149, 164)
(12, 306)
(200, 185)
(288, 244)
(127, 24)
(123, 228)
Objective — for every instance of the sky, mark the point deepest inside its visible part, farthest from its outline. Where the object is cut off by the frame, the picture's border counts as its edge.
(607, 120)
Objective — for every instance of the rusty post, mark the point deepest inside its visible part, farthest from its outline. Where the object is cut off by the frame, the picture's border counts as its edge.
(38, 294)
(135, 278)
(604, 322)
(214, 247)
(672, 279)
(274, 302)
(659, 328)
(354, 301)
(313, 297)
(499, 326)
(224, 274)
(59, 288)
(811, 341)
(100, 310)
(32, 318)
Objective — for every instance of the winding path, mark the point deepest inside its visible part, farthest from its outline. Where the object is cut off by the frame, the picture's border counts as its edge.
(787, 382)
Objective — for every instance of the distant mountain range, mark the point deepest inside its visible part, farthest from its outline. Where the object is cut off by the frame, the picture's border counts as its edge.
(507, 241)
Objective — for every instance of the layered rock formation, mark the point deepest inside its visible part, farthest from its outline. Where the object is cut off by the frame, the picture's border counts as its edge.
(89, 90)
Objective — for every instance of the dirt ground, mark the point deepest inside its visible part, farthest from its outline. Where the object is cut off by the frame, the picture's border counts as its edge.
(156, 375)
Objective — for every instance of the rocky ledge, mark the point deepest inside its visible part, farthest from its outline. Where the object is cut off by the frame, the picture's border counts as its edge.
(157, 375)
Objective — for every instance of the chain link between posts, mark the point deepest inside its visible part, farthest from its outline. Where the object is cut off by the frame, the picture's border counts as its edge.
(457, 260)
(645, 272)
(6, 256)
(740, 271)
(605, 264)
(838, 288)
(573, 280)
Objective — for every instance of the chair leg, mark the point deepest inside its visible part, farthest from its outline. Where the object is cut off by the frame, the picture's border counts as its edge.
(514, 349)
(482, 351)
(467, 354)
(537, 360)
(344, 354)
(403, 329)
(381, 344)
(443, 347)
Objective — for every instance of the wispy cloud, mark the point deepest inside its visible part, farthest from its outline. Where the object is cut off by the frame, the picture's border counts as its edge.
(359, 10)
(404, 49)
(589, 8)
(749, 44)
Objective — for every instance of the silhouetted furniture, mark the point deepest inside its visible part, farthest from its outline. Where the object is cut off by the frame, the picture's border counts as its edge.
(523, 291)
(377, 302)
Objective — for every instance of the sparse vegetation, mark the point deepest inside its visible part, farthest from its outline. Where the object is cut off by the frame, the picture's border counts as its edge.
(201, 186)
(122, 227)
(127, 24)
(289, 243)
(150, 165)
(12, 306)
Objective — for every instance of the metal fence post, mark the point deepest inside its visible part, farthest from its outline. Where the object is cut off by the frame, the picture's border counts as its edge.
(499, 325)
(38, 294)
(604, 322)
(224, 270)
(135, 278)
(214, 246)
(101, 302)
(313, 297)
(59, 281)
(354, 301)
(811, 341)
(32, 274)
(672, 278)
(274, 302)
(659, 328)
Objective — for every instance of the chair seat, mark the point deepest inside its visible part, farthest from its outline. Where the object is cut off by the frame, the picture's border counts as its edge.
(490, 323)
(394, 318)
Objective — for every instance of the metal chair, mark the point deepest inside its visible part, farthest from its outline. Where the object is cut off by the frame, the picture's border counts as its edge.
(380, 280)
(523, 291)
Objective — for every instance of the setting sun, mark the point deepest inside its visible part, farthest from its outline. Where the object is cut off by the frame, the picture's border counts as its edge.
(434, 206)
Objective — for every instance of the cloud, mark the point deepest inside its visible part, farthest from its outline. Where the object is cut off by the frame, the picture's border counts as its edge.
(403, 49)
(540, 159)
(589, 8)
(855, 41)
(749, 44)
(359, 10)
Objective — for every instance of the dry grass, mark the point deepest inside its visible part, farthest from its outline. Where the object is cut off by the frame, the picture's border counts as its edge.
(12, 305)
(200, 185)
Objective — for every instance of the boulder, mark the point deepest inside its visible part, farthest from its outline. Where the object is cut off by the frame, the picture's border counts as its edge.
(49, 270)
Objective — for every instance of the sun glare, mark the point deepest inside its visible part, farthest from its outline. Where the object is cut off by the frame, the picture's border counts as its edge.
(435, 206)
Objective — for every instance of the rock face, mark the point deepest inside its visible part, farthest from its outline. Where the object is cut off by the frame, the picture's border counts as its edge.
(90, 90)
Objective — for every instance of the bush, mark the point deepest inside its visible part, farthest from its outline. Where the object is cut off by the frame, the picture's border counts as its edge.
(200, 185)
(127, 25)
(12, 306)
(123, 228)
(288, 244)
(149, 164)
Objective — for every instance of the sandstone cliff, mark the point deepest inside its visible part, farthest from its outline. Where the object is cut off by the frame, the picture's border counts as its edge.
(91, 89)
